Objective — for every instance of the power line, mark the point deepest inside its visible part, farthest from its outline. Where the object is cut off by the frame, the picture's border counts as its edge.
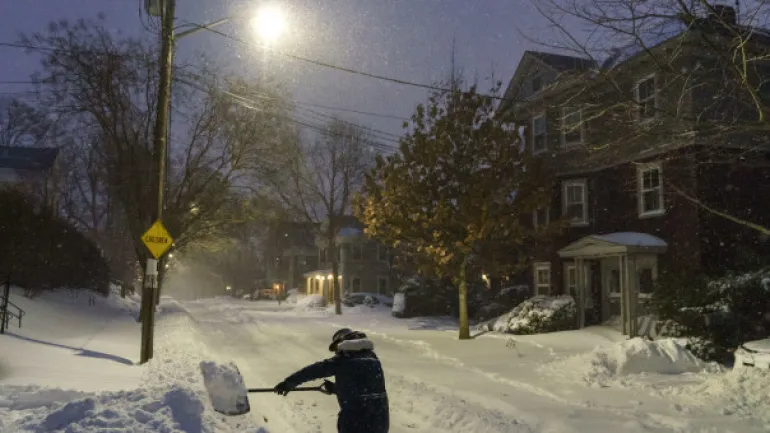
(261, 96)
(302, 59)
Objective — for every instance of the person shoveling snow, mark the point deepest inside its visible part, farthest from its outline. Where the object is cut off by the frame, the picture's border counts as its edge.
(359, 386)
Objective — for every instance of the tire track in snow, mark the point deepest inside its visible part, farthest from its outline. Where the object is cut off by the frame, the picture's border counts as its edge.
(415, 406)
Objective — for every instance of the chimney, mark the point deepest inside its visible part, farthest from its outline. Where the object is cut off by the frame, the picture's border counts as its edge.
(723, 14)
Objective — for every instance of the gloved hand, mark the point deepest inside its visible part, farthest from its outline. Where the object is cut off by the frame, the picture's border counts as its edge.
(328, 388)
(282, 388)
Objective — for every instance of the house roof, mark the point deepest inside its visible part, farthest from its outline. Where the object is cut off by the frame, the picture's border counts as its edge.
(559, 63)
(28, 158)
(563, 63)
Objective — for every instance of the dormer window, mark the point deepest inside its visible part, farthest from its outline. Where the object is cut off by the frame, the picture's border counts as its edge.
(537, 83)
(646, 91)
(539, 143)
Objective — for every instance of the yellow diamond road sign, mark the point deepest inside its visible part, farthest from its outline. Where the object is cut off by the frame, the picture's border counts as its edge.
(157, 239)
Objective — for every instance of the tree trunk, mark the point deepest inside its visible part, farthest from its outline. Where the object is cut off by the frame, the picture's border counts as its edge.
(465, 332)
(336, 289)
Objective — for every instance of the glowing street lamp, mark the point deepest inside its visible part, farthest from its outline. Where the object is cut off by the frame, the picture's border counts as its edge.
(269, 23)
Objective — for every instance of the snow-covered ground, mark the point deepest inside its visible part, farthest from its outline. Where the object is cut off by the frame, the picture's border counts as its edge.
(71, 369)
(591, 380)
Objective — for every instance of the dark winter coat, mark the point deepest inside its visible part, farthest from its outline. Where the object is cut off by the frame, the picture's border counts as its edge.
(360, 386)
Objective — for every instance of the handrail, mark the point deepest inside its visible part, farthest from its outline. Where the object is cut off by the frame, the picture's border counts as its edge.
(7, 314)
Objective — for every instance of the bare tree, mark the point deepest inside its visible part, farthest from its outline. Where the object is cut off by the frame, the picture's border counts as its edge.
(106, 86)
(23, 125)
(318, 180)
(710, 89)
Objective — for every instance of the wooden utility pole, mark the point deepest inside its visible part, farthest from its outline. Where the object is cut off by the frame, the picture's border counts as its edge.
(152, 283)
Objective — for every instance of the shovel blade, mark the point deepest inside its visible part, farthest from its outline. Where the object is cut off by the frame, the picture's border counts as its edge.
(225, 387)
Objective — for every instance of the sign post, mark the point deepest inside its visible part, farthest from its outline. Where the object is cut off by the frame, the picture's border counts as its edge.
(158, 241)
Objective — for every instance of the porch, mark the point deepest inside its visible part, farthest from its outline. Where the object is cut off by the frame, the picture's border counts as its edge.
(612, 270)
(319, 282)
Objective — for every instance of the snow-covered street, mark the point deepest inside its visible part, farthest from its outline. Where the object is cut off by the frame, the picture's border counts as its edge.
(72, 369)
(493, 383)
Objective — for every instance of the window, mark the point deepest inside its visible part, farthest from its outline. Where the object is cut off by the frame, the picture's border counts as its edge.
(650, 190)
(356, 251)
(537, 83)
(542, 278)
(355, 285)
(539, 143)
(645, 97)
(646, 282)
(572, 127)
(574, 201)
(541, 217)
(614, 282)
(382, 253)
(570, 279)
(323, 255)
(382, 285)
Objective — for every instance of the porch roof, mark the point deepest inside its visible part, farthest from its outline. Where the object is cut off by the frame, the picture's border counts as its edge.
(317, 272)
(614, 244)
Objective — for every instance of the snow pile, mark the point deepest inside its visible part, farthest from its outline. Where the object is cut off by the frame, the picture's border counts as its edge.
(311, 302)
(743, 392)
(172, 398)
(636, 356)
(536, 315)
(178, 409)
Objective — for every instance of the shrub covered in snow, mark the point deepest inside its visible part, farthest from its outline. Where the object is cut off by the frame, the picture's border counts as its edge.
(311, 302)
(42, 251)
(717, 316)
(502, 301)
(538, 315)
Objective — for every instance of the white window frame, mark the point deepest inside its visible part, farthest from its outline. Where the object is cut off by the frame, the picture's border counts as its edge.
(380, 279)
(565, 112)
(641, 190)
(539, 287)
(654, 97)
(564, 205)
(547, 221)
(545, 133)
(380, 250)
(570, 267)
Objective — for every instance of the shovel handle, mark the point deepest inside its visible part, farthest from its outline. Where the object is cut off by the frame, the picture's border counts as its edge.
(299, 388)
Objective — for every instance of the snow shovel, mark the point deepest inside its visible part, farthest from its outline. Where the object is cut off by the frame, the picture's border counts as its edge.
(227, 392)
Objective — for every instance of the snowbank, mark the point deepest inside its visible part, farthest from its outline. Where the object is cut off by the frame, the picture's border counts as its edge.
(310, 302)
(537, 314)
(743, 392)
(631, 357)
(171, 399)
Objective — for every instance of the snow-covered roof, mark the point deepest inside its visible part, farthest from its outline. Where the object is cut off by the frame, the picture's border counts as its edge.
(632, 239)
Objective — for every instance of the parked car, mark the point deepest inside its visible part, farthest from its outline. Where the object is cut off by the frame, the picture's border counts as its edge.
(753, 354)
(364, 298)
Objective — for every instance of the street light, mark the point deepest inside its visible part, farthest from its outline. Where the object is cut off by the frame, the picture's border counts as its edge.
(269, 23)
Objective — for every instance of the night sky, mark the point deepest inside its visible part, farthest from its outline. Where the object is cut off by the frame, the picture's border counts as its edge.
(405, 39)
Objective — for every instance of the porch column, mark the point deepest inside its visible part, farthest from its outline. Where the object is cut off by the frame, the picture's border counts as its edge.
(308, 285)
(624, 327)
(580, 292)
(632, 287)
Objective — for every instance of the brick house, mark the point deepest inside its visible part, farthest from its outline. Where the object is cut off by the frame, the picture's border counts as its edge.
(636, 204)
